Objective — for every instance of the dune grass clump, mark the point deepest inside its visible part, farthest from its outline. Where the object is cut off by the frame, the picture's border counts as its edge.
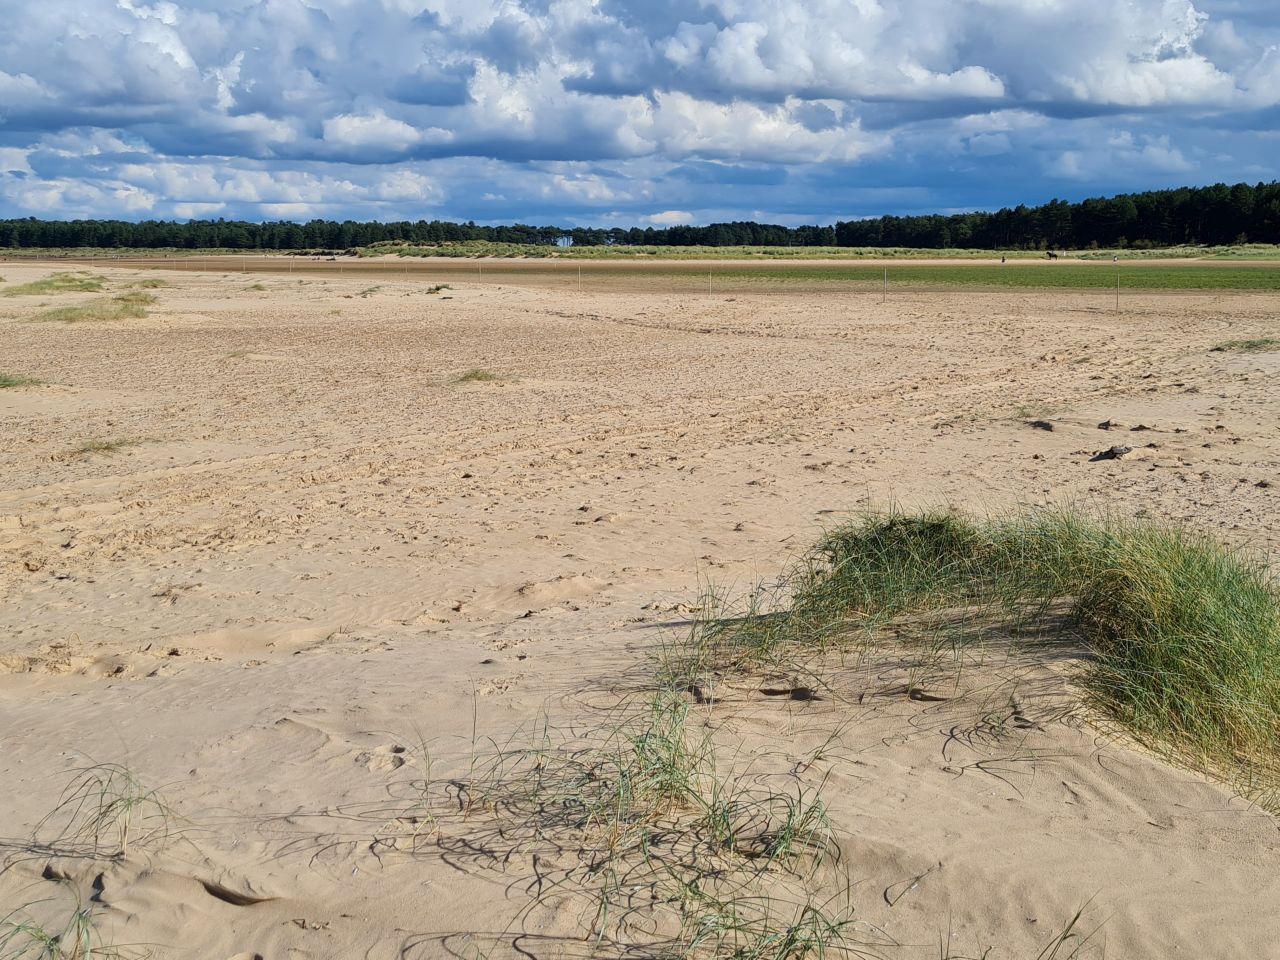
(477, 376)
(134, 299)
(127, 306)
(107, 808)
(77, 937)
(1181, 635)
(672, 842)
(58, 283)
(153, 283)
(1248, 346)
(90, 447)
(8, 380)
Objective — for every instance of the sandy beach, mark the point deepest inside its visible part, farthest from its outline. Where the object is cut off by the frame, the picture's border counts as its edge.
(279, 541)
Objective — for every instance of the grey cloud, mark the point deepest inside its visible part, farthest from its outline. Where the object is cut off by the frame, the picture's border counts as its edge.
(727, 94)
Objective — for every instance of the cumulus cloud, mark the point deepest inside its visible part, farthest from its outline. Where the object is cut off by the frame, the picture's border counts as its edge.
(670, 218)
(1150, 155)
(580, 109)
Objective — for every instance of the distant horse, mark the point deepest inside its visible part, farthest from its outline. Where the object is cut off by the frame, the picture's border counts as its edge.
(1051, 255)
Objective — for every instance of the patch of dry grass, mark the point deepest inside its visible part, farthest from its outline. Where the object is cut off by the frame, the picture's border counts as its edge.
(8, 380)
(90, 447)
(126, 306)
(1247, 346)
(478, 376)
(58, 283)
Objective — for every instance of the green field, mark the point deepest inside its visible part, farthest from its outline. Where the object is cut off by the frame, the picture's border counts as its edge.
(1058, 276)
(747, 276)
(481, 249)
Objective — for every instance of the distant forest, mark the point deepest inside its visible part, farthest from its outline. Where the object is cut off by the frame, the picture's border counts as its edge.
(1214, 215)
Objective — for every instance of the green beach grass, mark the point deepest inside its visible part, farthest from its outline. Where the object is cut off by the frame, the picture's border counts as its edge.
(126, 306)
(484, 248)
(90, 447)
(1180, 634)
(1257, 345)
(772, 275)
(477, 376)
(58, 283)
(1056, 276)
(8, 380)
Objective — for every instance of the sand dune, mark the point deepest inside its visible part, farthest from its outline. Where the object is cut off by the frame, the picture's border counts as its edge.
(313, 551)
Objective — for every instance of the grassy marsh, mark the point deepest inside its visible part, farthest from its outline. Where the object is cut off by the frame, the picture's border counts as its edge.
(484, 248)
(731, 270)
(1057, 276)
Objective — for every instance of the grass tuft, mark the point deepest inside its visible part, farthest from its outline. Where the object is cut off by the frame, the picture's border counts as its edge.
(101, 446)
(1247, 346)
(477, 376)
(8, 380)
(58, 283)
(23, 937)
(134, 299)
(1181, 635)
(107, 808)
(672, 841)
(126, 306)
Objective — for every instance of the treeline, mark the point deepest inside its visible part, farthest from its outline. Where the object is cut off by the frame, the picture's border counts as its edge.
(1214, 215)
(333, 235)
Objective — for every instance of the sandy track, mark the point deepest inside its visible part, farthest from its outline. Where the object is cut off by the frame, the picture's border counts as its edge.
(317, 541)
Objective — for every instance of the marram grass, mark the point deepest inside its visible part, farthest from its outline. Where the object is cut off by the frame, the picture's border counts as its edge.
(8, 380)
(477, 376)
(58, 283)
(126, 306)
(1257, 345)
(1181, 633)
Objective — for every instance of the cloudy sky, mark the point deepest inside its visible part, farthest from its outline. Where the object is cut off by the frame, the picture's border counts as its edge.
(624, 111)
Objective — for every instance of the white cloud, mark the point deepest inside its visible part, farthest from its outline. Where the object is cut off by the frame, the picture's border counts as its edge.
(686, 126)
(670, 218)
(584, 189)
(14, 160)
(197, 211)
(1122, 151)
(374, 129)
(241, 106)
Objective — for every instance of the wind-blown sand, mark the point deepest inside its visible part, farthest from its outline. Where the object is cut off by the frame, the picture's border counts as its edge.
(316, 550)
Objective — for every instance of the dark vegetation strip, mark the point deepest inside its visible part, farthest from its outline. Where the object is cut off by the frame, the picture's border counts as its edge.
(1218, 214)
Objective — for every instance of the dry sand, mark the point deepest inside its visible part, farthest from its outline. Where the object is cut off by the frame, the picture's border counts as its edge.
(317, 549)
